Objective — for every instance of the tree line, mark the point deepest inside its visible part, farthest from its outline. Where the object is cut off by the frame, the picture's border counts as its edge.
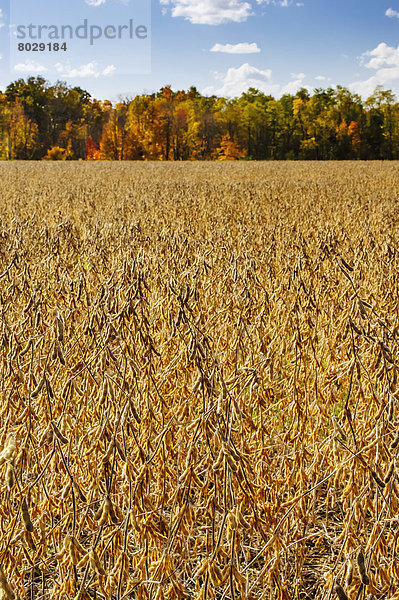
(39, 120)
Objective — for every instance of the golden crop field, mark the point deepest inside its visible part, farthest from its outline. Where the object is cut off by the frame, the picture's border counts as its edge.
(199, 381)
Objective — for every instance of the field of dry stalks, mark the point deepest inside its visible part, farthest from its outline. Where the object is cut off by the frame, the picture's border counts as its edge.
(199, 381)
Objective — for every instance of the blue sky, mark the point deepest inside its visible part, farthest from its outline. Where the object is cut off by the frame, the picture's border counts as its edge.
(220, 46)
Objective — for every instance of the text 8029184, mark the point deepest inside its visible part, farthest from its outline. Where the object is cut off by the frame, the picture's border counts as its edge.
(41, 47)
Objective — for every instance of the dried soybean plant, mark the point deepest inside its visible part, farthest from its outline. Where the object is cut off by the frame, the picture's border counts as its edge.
(199, 381)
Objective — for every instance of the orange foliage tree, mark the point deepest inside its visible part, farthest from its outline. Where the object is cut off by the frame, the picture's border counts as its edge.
(353, 131)
(229, 150)
(92, 150)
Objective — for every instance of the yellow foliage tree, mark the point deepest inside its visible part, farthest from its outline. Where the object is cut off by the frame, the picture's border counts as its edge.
(56, 153)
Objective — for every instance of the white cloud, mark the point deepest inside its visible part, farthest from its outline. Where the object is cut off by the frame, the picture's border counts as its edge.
(391, 13)
(237, 80)
(322, 78)
(100, 2)
(381, 56)
(109, 70)
(242, 48)
(89, 70)
(1, 57)
(293, 86)
(384, 60)
(30, 66)
(284, 3)
(1, 17)
(210, 12)
(298, 75)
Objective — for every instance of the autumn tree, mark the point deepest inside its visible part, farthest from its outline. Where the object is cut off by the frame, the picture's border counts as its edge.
(56, 153)
(327, 124)
(229, 150)
(92, 150)
(20, 134)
